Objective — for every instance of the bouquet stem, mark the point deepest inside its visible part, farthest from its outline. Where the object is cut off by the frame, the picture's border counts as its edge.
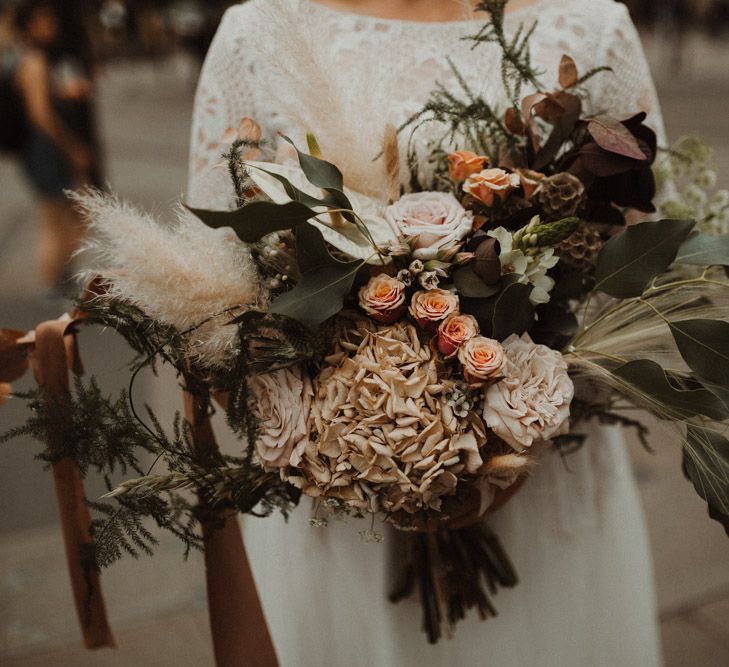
(453, 570)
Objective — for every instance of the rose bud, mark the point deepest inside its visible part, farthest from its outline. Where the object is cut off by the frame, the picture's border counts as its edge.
(462, 164)
(454, 332)
(486, 263)
(429, 308)
(383, 298)
(491, 184)
(482, 360)
(530, 181)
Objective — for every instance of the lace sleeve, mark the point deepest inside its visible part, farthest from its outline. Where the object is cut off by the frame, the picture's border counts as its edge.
(222, 99)
(629, 87)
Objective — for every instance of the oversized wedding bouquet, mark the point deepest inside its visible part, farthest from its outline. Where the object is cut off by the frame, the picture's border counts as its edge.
(409, 357)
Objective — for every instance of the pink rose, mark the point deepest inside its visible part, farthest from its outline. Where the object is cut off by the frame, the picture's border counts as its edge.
(454, 332)
(430, 221)
(383, 298)
(431, 307)
(482, 359)
(462, 164)
(490, 184)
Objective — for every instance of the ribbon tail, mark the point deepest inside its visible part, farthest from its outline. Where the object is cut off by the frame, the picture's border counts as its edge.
(237, 622)
(53, 351)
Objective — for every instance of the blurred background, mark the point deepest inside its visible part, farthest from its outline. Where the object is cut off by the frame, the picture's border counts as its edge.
(129, 69)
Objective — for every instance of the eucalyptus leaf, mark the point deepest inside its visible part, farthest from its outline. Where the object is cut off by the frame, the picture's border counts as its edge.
(706, 463)
(704, 250)
(631, 259)
(295, 193)
(469, 284)
(513, 311)
(649, 379)
(324, 282)
(704, 346)
(321, 173)
(255, 220)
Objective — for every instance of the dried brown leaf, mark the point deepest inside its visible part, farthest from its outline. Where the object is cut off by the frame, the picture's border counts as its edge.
(568, 75)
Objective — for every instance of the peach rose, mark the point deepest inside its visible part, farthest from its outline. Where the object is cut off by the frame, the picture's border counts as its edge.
(489, 184)
(454, 332)
(383, 298)
(462, 164)
(431, 307)
(530, 181)
(482, 359)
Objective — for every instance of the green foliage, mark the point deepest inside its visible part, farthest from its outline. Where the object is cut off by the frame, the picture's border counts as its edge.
(650, 380)
(631, 259)
(703, 344)
(706, 464)
(704, 250)
(324, 282)
(100, 433)
(517, 69)
(513, 311)
(255, 220)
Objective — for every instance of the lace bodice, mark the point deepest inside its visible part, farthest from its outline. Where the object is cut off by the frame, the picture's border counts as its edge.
(296, 66)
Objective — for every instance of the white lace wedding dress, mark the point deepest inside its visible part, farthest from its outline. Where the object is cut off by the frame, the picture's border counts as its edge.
(575, 532)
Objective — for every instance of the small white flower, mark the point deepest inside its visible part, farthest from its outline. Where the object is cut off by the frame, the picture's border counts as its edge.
(532, 268)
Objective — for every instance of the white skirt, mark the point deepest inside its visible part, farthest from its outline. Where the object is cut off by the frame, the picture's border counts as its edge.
(576, 536)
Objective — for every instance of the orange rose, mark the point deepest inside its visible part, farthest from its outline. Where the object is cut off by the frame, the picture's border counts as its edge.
(530, 181)
(489, 184)
(454, 332)
(431, 307)
(462, 164)
(383, 298)
(483, 360)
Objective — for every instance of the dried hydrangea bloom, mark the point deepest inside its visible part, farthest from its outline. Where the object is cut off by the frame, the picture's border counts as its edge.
(383, 435)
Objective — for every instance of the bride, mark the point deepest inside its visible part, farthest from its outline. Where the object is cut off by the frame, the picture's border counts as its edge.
(344, 69)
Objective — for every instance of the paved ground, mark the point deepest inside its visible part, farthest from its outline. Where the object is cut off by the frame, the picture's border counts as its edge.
(146, 118)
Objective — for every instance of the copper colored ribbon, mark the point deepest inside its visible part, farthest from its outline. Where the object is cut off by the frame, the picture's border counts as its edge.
(240, 632)
(55, 352)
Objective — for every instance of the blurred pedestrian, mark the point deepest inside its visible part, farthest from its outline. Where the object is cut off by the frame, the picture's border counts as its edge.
(60, 149)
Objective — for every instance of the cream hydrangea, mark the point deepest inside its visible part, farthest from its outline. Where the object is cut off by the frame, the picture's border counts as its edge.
(383, 434)
(532, 403)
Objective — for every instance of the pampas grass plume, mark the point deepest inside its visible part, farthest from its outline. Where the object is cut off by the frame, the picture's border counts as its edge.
(181, 273)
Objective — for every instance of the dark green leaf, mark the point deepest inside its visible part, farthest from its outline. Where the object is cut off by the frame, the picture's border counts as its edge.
(706, 463)
(321, 173)
(324, 282)
(704, 346)
(629, 260)
(255, 220)
(650, 379)
(470, 285)
(704, 250)
(513, 311)
(294, 192)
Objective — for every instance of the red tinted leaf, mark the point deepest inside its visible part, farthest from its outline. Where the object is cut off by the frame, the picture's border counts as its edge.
(567, 72)
(612, 136)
